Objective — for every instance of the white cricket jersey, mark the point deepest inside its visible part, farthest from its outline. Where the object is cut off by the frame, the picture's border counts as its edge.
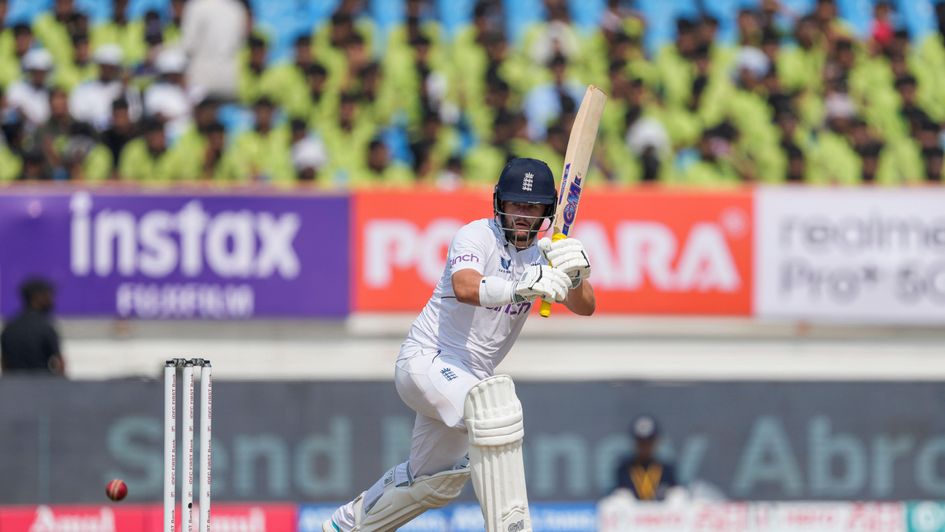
(479, 336)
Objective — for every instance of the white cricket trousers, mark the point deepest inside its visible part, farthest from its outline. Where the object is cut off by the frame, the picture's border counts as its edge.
(434, 385)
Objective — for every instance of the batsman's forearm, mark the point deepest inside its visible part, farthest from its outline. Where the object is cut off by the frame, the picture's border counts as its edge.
(581, 300)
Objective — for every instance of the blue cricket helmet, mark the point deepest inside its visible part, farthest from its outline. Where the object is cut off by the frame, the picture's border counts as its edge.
(524, 180)
(527, 181)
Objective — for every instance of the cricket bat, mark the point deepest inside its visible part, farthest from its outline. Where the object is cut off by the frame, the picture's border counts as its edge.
(576, 160)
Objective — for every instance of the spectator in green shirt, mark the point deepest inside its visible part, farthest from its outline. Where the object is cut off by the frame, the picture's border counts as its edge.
(262, 153)
(329, 43)
(249, 87)
(380, 171)
(121, 130)
(318, 104)
(147, 160)
(417, 21)
(192, 142)
(127, 34)
(285, 81)
(346, 140)
(357, 56)
(825, 13)
(673, 63)
(487, 158)
(800, 66)
(380, 101)
(481, 115)
(9, 69)
(146, 71)
(468, 51)
(172, 32)
(555, 35)
(330, 38)
(721, 55)
(432, 146)
(10, 162)
(715, 165)
(52, 29)
(749, 27)
(419, 79)
(82, 68)
(202, 156)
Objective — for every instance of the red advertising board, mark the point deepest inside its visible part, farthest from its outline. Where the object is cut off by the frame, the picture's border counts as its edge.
(652, 251)
(143, 518)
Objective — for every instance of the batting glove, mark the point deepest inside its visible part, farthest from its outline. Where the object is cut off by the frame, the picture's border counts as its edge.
(542, 281)
(567, 255)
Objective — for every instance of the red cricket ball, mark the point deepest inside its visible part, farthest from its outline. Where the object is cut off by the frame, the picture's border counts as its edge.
(116, 490)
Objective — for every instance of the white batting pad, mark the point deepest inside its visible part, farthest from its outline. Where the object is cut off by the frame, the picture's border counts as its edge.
(396, 498)
(493, 416)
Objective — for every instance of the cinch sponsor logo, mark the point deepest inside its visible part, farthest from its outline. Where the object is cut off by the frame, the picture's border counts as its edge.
(230, 244)
(467, 257)
(46, 520)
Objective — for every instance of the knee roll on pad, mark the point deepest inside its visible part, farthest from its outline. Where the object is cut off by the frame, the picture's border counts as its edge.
(397, 497)
(494, 422)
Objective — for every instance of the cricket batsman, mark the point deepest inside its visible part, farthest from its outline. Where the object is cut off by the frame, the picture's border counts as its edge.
(469, 420)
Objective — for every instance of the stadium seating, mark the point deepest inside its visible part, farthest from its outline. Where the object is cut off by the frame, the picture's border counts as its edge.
(673, 123)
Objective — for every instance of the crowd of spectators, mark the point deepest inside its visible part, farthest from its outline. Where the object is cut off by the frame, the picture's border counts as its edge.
(190, 93)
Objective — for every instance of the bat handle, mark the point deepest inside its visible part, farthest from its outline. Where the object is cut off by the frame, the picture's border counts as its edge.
(546, 305)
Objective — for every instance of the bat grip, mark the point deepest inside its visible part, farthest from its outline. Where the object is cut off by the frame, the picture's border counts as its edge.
(546, 305)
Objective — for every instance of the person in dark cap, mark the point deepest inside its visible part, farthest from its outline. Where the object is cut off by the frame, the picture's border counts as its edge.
(29, 342)
(647, 477)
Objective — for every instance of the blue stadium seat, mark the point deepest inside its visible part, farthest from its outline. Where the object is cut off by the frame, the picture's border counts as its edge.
(800, 7)
(25, 10)
(918, 16)
(661, 18)
(726, 11)
(386, 13)
(398, 143)
(858, 13)
(519, 14)
(586, 13)
(137, 8)
(454, 14)
(235, 119)
(97, 10)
